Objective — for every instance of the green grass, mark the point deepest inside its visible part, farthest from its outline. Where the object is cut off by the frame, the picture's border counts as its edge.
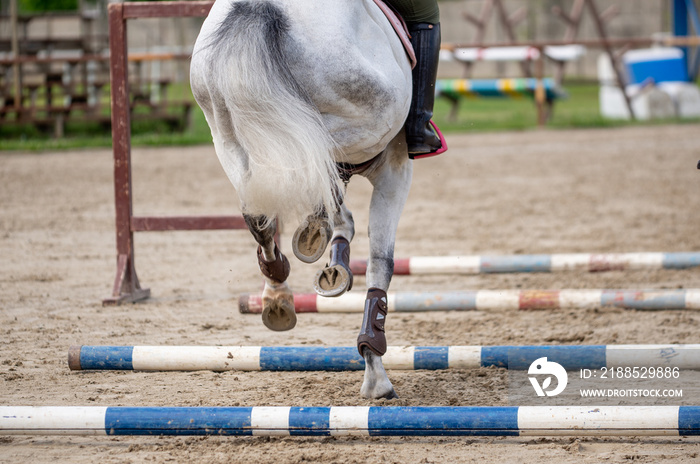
(579, 110)
(84, 135)
(94, 135)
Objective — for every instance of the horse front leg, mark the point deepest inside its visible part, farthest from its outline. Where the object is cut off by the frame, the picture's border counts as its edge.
(336, 278)
(277, 299)
(391, 186)
(311, 238)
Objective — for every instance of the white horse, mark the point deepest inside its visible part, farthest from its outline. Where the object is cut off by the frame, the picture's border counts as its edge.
(300, 95)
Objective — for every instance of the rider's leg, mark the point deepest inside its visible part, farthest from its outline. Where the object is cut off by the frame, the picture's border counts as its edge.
(417, 11)
(423, 20)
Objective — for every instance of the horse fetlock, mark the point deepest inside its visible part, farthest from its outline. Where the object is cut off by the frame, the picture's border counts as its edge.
(311, 238)
(278, 270)
(372, 335)
(278, 307)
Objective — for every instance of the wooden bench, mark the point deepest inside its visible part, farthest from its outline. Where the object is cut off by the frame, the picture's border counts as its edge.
(66, 86)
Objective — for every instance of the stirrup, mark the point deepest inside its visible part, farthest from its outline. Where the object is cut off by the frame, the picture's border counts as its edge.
(442, 149)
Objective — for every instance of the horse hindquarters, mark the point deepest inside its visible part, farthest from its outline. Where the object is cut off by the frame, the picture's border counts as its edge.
(270, 138)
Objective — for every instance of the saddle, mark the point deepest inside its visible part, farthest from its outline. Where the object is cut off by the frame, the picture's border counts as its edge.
(400, 28)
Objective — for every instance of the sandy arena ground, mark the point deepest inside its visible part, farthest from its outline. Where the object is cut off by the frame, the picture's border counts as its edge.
(615, 190)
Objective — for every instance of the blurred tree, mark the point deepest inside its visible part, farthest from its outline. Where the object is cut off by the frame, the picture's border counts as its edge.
(43, 6)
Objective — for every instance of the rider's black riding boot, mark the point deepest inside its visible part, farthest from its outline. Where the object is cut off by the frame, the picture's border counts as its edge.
(421, 138)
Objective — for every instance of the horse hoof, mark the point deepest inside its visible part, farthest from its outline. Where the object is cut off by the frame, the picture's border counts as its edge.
(376, 385)
(278, 314)
(311, 239)
(332, 281)
(377, 393)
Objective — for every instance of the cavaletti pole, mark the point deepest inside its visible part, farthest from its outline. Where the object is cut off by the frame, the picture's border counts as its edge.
(493, 300)
(496, 264)
(346, 358)
(353, 420)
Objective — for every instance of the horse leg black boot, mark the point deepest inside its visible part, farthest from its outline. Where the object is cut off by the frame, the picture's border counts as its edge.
(420, 137)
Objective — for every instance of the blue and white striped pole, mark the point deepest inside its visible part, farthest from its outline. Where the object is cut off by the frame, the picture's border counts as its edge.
(353, 420)
(343, 358)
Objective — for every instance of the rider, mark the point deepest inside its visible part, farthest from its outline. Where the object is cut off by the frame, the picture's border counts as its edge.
(423, 20)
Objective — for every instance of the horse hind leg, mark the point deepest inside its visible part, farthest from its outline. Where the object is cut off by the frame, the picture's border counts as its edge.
(277, 299)
(336, 278)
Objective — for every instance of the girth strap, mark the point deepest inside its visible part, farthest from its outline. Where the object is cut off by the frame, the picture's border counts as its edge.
(347, 170)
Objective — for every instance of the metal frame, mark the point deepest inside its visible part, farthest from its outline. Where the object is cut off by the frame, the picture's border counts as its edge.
(126, 284)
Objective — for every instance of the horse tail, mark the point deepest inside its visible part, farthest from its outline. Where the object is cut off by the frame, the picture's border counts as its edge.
(291, 154)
